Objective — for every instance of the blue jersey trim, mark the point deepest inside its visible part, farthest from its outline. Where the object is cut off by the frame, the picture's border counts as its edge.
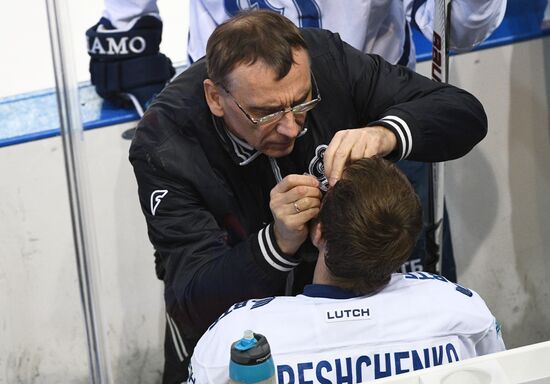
(328, 291)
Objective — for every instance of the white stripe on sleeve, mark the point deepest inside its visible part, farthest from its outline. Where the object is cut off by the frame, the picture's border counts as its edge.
(404, 132)
(270, 253)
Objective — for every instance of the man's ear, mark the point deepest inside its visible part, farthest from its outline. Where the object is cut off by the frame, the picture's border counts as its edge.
(315, 234)
(212, 94)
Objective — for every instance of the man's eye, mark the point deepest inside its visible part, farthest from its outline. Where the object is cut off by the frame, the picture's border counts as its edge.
(265, 112)
(301, 101)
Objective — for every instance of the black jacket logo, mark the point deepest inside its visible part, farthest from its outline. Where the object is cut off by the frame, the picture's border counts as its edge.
(156, 197)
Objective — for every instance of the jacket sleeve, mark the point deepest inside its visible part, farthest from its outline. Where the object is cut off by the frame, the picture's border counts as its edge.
(432, 121)
(206, 265)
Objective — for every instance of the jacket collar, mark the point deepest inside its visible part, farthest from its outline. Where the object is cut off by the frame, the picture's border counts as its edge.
(240, 151)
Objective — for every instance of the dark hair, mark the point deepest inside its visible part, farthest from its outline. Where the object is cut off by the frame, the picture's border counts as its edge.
(251, 36)
(370, 220)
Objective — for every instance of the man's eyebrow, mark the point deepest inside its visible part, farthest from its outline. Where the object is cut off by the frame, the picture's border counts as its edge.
(277, 107)
(304, 97)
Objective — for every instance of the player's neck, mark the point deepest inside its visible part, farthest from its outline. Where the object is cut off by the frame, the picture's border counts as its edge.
(322, 275)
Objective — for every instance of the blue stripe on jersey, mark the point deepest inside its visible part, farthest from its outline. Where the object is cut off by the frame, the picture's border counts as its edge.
(328, 291)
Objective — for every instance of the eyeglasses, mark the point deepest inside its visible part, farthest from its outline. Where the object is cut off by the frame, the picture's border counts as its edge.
(276, 116)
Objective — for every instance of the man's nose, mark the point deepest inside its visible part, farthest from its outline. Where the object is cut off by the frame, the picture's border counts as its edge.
(288, 126)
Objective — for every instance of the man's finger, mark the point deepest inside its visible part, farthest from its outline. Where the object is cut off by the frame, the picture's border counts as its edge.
(328, 156)
(299, 219)
(301, 192)
(360, 147)
(305, 203)
(340, 158)
(294, 180)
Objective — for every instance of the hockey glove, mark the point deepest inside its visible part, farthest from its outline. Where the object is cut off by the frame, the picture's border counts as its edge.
(126, 67)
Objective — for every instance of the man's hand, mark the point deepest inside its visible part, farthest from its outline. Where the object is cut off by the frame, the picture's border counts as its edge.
(294, 202)
(351, 145)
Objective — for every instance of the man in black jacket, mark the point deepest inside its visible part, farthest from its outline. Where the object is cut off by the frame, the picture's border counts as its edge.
(232, 158)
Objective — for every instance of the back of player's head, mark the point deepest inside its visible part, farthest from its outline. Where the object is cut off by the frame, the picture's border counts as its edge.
(370, 221)
(251, 36)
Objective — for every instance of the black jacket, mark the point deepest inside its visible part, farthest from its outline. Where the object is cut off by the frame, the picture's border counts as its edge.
(205, 195)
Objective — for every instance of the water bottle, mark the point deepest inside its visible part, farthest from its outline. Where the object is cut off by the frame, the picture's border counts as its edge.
(251, 360)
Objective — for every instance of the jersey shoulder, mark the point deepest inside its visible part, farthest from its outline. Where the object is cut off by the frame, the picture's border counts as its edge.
(229, 327)
(452, 302)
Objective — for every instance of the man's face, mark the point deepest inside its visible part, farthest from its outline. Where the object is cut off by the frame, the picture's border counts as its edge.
(258, 93)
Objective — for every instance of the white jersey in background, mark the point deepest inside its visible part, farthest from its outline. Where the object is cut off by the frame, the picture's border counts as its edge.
(371, 26)
(418, 320)
(377, 27)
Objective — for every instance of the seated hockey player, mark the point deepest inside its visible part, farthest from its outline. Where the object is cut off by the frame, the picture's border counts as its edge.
(358, 320)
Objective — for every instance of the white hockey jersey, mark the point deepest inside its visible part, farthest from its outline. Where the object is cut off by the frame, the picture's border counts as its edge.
(371, 26)
(377, 27)
(418, 320)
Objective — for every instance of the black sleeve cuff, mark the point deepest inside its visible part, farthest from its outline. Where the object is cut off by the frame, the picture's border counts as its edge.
(402, 133)
(270, 254)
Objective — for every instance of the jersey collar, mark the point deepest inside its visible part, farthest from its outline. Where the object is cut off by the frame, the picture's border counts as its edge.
(328, 291)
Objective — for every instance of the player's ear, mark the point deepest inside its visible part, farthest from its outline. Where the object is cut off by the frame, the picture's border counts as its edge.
(213, 97)
(315, 233)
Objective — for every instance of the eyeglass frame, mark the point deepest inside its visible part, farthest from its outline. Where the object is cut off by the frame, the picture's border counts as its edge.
(272, 117)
